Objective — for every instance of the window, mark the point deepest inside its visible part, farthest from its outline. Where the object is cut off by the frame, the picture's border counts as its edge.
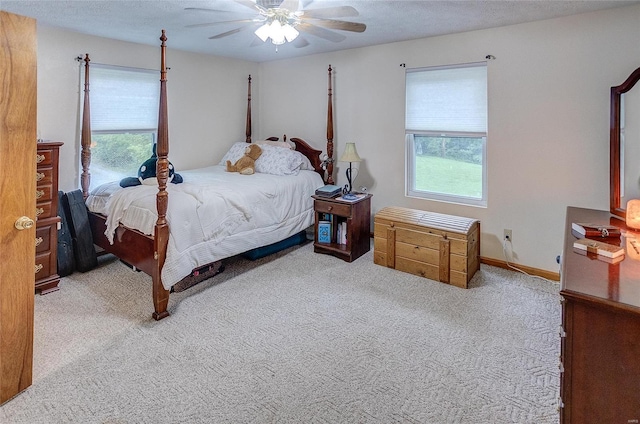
(124, 120)
(446, 133)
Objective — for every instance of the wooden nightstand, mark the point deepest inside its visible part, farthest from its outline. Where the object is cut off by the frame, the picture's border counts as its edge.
(351, 218)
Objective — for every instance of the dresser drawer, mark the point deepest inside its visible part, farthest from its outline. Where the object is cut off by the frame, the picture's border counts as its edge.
(44, 210)
(46, 235)
(45, 156)
(44, 193)
(44, 176)
(44, 265)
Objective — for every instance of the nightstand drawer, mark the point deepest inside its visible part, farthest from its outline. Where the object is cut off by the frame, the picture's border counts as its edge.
(332, 207)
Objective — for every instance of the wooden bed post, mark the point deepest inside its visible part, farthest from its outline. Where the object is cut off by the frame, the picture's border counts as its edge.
(248, 125)
(85, 154)
(330, 133)
(161, 231)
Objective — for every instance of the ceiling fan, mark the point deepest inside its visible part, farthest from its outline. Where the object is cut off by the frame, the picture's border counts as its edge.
(283, 20)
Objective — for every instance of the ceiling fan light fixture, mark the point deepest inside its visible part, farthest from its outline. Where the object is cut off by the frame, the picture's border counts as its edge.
(290, 33)
(263, 32)
(278, 32)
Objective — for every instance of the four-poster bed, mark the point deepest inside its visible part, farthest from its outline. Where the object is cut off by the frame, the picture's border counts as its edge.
(154, 250)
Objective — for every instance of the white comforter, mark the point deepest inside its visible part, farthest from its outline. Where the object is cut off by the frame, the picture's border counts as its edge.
(213, 214)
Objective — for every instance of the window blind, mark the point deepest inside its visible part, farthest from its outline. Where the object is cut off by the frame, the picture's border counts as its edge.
(447, 99)
(124, 99)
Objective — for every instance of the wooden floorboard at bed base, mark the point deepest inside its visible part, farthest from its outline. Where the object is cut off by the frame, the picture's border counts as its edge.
(137, 250)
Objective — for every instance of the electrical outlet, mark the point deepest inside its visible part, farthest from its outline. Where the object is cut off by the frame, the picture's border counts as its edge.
(507, 235)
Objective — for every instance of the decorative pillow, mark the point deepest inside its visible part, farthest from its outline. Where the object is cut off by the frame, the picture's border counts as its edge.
(279, 161)
(234, 153)
(274, 160)
(306, 163)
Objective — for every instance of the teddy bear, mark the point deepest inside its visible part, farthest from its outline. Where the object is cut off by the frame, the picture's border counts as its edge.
(147, 173)
(246, 164)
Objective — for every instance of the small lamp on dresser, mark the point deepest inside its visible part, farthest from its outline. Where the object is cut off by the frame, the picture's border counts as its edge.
(350, 155)
(633, 214)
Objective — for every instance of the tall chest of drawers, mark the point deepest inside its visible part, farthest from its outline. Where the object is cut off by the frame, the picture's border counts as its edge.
(47, 219)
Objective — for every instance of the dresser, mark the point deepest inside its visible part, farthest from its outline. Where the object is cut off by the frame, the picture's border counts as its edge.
(47, 219)
(600, 331)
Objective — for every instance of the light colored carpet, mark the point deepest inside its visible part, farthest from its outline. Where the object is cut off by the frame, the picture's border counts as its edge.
(297, 337)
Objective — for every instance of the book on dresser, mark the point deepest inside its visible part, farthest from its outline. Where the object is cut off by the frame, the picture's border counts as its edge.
(598, 247)
(590, 230)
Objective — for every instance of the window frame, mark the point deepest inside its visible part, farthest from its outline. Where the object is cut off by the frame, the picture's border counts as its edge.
(410, 157)
(152, 93)
(410, 166)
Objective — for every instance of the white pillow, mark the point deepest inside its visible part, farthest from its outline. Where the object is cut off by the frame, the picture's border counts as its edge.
(234, 153)
(279, 161)
(273, 160)
(276, 144)
(306, 163)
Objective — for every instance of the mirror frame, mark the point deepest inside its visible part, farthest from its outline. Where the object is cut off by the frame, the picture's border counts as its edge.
(614, 135)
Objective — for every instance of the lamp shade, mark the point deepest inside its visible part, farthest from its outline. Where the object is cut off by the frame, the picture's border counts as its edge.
(633, 214)
(350, 153)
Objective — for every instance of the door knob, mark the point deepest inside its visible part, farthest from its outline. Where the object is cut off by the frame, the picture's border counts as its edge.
(24, 223)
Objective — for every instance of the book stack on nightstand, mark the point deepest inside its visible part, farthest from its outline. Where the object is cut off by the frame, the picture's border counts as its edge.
(329, 191)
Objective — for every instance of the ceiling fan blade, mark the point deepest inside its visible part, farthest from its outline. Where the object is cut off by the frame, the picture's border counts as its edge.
(225, 34)
(331, 12)
(320, 32)
(341, 25)
(218, 23)
(204, 9)
(300, 42)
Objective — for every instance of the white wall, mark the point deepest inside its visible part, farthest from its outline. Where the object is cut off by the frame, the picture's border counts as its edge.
(548, 144)
(548, 138)
(207, 97)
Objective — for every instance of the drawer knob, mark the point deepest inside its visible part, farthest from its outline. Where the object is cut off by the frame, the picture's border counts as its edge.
(39, 211)
(39, 176)
(39, 241)
(39, 193)
(330, 207)
(39, 158)
(38, 268)
(24, 223)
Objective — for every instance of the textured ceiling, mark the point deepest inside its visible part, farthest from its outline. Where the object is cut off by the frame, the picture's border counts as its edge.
(387, 21)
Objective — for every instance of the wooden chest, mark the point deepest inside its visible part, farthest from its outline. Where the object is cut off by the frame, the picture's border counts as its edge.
(440, 247)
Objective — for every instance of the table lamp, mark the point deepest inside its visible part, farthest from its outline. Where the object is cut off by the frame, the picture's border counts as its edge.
(633, 214)
(350, 155)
